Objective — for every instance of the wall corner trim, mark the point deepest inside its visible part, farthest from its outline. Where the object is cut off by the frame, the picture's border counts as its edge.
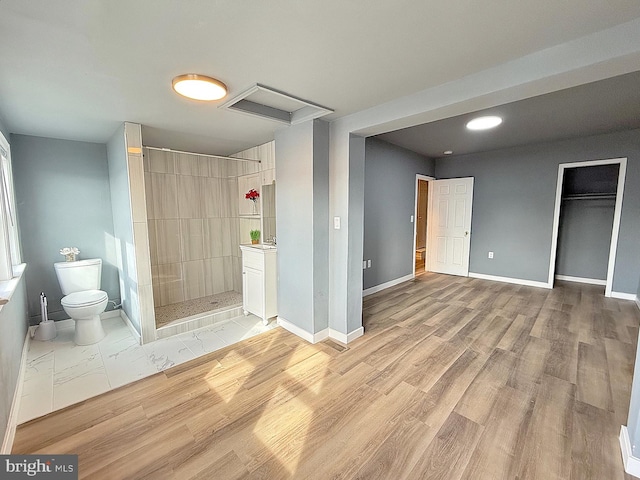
(517, 281)
(631, 463)
(349, 337)
(12, 424)
(389, 284)
(624, 296)
(638, 302)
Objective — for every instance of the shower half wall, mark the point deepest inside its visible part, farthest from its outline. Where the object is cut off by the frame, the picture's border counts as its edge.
(194, 234)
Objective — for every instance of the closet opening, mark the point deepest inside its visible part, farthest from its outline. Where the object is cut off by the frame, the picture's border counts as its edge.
(586, 222)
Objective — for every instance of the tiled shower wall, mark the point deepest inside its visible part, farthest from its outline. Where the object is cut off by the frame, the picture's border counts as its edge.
(194, 226)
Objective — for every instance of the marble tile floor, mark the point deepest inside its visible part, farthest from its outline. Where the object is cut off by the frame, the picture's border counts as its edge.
(59, 373)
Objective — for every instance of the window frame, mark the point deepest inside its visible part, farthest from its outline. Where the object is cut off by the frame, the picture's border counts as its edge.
(10, 254)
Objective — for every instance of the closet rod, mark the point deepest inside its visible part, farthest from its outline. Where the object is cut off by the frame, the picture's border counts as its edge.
(591, 196)
(201, 154)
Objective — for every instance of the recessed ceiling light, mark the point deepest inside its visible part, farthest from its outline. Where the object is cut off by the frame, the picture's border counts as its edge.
(484, 123)
(199, 87)
(448, 152)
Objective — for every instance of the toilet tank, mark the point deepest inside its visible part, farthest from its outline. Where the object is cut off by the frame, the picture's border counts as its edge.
(79, 275)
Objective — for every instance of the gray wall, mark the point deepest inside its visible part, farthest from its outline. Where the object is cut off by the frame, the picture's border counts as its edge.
(63, 200)
(294, 224)
(513, 204)
(355, 243)
(633, 423)
(584, 238)
(123, 225)
(14, 321)
(302, 213)
(320, 225)
(389, 201)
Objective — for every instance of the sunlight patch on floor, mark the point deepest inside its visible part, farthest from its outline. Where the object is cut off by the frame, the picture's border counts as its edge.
(281, 429)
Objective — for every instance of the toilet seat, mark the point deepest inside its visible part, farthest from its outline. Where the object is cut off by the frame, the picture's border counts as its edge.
(85, 298)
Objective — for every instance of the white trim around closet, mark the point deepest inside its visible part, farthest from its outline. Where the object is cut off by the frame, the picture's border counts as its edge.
(616, 217)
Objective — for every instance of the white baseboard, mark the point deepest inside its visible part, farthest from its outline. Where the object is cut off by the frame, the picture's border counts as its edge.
(110, 314)
(590, 281)
(389, 284)
(517, 281)
(349, 337)
(624, 296)
(69, 322)
(631, 463)
(309, 337)
(638, 302)
(322, 334)
(65, 323)
(127, 321)
(12, 423)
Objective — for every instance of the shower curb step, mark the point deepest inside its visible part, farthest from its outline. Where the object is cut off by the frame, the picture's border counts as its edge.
(197, 321)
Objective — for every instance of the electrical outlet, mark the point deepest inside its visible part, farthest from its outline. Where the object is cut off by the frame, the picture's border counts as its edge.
(368, 263)
(364, 264)
(490, 254)
(336, 223)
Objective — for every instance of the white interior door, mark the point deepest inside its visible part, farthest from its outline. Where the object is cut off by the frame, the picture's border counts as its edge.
(450, 205)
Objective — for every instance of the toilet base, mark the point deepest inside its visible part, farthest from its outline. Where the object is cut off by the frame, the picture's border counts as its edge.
(88, 330)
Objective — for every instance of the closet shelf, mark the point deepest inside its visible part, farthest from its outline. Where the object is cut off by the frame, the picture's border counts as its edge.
(591, 196)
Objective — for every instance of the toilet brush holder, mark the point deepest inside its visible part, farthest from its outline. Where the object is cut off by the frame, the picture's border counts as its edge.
(47, 328)
(46, 331)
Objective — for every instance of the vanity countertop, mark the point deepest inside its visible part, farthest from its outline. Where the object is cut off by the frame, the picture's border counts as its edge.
(259, 246)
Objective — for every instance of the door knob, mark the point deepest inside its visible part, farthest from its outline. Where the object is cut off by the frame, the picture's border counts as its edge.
(466, 233)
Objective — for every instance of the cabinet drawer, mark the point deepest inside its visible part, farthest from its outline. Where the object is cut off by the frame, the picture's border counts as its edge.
(252, 260)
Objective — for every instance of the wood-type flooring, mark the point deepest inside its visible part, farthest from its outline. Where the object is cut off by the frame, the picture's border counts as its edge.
(455, 378)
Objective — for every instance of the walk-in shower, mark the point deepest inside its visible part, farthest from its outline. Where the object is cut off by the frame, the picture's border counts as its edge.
(196, 224)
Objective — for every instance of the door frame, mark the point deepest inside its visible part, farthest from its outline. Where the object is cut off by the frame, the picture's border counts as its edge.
(616, 216)
(427, 178)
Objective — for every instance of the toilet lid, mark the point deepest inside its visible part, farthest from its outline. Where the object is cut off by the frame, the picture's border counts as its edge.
(84, 299)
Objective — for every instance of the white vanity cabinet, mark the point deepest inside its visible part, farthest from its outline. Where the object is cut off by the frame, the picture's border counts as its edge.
(259, 281)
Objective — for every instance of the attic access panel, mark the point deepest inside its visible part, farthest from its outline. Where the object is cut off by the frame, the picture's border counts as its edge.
(272, 104)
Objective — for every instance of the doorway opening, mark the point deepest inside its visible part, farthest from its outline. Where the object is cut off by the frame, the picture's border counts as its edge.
(587, 221)
(421, 225)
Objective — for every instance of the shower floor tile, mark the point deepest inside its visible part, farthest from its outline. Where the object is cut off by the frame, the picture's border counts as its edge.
(59, 373)
(211, 303)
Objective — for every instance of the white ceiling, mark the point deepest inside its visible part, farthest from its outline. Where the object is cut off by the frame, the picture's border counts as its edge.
(75, 69)
(590, 109)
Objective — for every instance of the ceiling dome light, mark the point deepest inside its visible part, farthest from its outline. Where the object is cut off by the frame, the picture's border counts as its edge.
(199, 87)
(448, 152)
(484, 123)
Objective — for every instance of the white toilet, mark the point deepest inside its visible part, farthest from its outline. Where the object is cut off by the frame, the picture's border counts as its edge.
(83, 300)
